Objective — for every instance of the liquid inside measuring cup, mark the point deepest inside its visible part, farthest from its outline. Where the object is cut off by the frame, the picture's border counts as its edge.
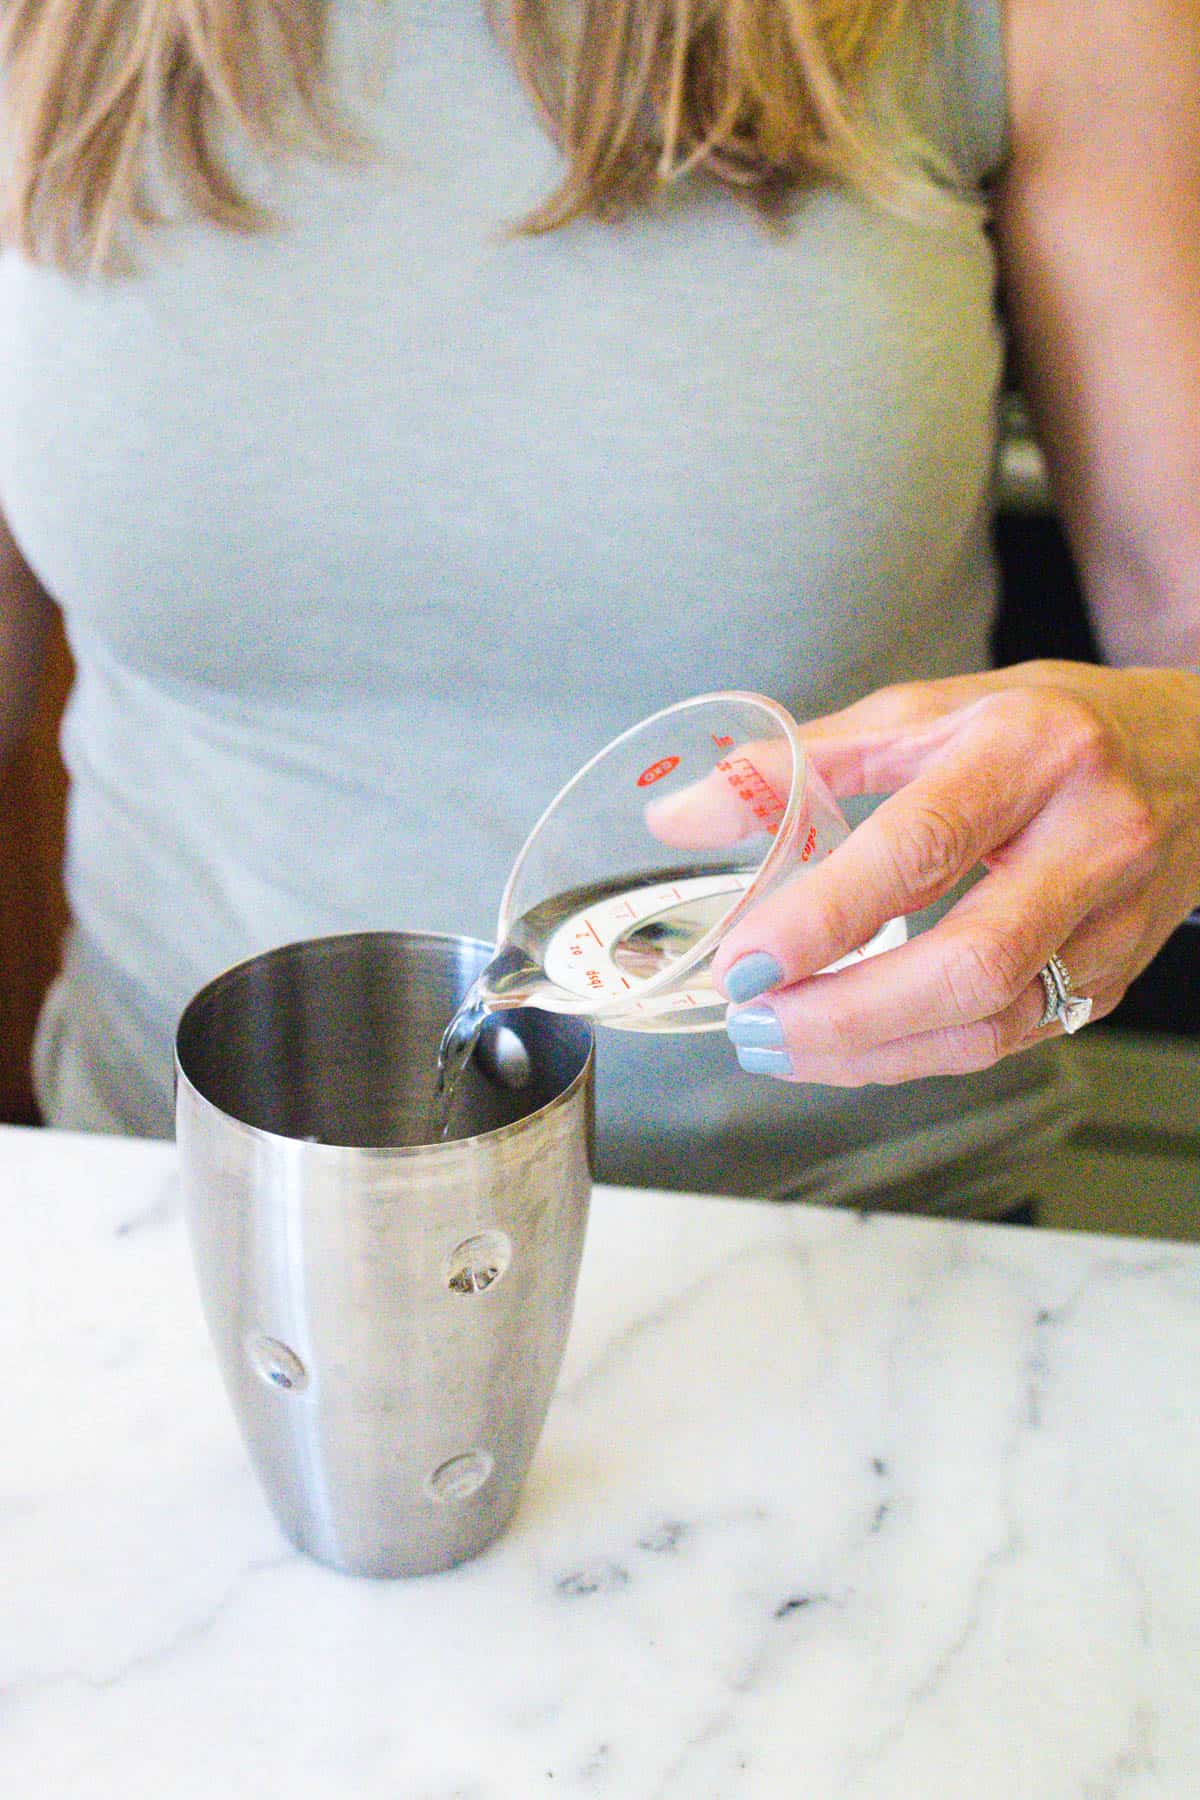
(590, 951)
(593, 949)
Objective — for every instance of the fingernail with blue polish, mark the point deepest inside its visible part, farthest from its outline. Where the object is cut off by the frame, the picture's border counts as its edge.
(755, 1027)
(764, 1062)
(752, 975)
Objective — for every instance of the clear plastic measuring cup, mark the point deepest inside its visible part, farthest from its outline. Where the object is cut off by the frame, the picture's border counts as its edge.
(626, 885)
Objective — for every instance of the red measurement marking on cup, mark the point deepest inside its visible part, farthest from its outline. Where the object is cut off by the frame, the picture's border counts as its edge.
(657, 770)
(754, 790)
(722, 743)
(810, 844)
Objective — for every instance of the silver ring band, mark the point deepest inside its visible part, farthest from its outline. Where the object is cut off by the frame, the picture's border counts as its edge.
(1072, 1010)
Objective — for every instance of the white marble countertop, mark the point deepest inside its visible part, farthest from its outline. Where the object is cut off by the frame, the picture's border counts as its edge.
(823, 1506)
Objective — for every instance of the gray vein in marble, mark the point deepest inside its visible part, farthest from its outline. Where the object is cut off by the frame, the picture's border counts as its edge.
(1036, 1368)
(192, 1631)
(776, 1640)
(678, 1779)
(1134, 1759)
(600, 1577)
(778, 1623)
(1048, 1319)
(597, 1763)
(943, 1270)
(998, 1557)
(946, 1662)
(985, 1588)
(665, 1538)
(617, 1350)
(1143, 1611)
(159, 1210)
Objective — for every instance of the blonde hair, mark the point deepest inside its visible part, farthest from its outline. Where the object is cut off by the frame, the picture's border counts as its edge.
(109, 103)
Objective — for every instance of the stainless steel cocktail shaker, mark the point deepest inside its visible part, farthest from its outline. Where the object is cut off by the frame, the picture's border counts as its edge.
(389, 1314)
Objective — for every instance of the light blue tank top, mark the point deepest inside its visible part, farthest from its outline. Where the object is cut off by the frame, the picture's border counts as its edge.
(369, 530)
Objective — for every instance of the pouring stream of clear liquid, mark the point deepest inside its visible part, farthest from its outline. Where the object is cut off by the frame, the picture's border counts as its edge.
(516, 974)
(510, 973)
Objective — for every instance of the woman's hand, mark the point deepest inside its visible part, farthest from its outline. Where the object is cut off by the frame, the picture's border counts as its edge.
(1078, 790)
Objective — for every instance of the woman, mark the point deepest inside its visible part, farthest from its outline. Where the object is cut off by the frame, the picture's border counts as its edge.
(372, 515)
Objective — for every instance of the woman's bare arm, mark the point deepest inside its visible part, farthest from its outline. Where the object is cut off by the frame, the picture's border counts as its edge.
(1076, 787)
(1099, 221)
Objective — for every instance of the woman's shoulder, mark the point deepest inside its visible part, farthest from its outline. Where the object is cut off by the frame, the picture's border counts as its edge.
(1086, 75)
(1016, 76)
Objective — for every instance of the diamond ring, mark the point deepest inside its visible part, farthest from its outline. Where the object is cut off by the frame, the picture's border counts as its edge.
(1072, 1010)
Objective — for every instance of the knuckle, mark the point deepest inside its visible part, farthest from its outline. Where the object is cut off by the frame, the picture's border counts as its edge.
(994, 1039)
(932, 849)
(847, 1032)
(902, 704)
(1017, 712)
(974, 1047)
(990, 1040)
(1008, 1031)
(1138, 831)
(985, 972)
(1083, 741)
